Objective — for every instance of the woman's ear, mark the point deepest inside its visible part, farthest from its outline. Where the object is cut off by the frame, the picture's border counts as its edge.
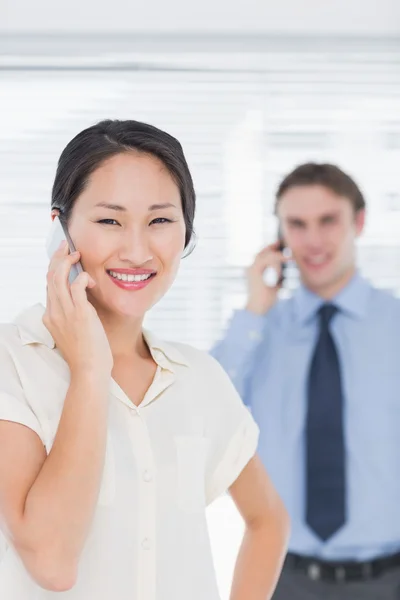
(55, 213)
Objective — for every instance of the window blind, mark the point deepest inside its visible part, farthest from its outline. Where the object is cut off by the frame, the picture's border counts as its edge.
(244, 119)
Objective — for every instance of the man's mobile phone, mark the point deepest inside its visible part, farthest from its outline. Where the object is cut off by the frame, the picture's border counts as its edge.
(282, 248)
(57, 234)
(271, 277)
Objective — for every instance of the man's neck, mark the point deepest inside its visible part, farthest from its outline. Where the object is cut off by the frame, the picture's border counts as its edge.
(333, 289)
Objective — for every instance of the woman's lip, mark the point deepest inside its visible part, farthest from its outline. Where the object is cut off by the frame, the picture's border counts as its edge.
(130, 285)
(132, 271)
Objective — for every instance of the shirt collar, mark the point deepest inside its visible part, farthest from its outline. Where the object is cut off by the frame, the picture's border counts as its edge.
(352, 299)
(31, 327)
(33, 331)
(164, 353)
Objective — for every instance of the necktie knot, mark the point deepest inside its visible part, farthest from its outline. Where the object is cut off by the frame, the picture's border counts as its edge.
(326, 314)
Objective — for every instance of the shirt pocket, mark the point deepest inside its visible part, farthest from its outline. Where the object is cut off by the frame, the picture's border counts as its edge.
(192, 454)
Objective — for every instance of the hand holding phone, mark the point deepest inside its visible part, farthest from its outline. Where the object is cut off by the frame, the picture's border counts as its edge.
(274, 275)
(57, 234)
(263, 278)
(70, 318)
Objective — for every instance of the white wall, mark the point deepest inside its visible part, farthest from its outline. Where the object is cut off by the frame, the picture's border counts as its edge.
(363, 17)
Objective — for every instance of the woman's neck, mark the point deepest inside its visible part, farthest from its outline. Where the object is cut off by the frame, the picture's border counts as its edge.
(125, 336)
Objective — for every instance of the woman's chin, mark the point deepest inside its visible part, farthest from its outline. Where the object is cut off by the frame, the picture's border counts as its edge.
(128, 305)
(132, 311)
(123, 310)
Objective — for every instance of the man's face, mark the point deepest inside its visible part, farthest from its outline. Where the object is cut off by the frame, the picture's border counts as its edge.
(320, 228)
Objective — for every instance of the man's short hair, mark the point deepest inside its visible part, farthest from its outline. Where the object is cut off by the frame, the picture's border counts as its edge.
(326, 175)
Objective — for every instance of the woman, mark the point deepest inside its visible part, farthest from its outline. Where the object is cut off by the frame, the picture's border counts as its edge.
(112, 441)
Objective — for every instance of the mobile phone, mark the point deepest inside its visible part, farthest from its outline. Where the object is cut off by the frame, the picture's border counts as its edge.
(57, 234)
(271, 276)
(285, 251)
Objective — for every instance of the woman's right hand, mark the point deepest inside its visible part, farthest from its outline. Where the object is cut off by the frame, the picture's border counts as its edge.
(261, 298)
(72, 320)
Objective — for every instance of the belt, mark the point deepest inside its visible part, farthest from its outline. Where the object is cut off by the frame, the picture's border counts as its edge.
(321, 570)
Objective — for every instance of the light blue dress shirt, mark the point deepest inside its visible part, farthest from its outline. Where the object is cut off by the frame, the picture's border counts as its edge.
(268, 358)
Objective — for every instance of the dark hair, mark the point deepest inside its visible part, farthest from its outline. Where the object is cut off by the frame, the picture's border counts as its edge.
(92, 147)
(329, 176)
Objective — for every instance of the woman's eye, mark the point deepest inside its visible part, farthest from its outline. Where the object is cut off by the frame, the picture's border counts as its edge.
(108, 222)
(161, 220)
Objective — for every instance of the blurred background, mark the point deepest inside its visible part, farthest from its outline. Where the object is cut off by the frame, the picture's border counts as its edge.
(250, 89)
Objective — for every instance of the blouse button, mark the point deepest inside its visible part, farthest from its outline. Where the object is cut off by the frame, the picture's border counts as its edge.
(147, 476)
(146, 544)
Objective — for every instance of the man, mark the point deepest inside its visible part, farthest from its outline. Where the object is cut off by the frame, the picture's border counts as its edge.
(320, 373)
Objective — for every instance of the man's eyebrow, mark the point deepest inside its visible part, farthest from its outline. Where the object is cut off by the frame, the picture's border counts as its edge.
(330, 215)
(295, 220)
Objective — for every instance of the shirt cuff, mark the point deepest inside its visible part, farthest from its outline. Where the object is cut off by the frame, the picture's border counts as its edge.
(241, 448)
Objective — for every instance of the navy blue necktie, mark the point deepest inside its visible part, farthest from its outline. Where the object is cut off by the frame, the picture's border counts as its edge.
(325, 452)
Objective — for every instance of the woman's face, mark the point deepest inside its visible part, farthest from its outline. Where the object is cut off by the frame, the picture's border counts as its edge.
(129, 227)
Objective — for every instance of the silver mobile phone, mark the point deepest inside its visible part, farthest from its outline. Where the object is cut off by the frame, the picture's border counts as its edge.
(57, 234)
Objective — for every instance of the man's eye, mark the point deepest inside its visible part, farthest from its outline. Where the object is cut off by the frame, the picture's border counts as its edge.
(108, 222)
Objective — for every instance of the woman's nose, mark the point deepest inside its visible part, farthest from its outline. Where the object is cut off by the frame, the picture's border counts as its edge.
(135, 248)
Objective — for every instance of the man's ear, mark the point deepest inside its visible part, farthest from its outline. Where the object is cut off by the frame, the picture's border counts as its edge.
(360, 221)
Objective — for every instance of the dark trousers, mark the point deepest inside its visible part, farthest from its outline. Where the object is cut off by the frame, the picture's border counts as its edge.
(295, 585)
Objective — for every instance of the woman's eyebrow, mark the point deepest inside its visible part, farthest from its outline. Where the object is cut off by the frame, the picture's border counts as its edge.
(119, 208)
(161, 206)
(116, 207)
